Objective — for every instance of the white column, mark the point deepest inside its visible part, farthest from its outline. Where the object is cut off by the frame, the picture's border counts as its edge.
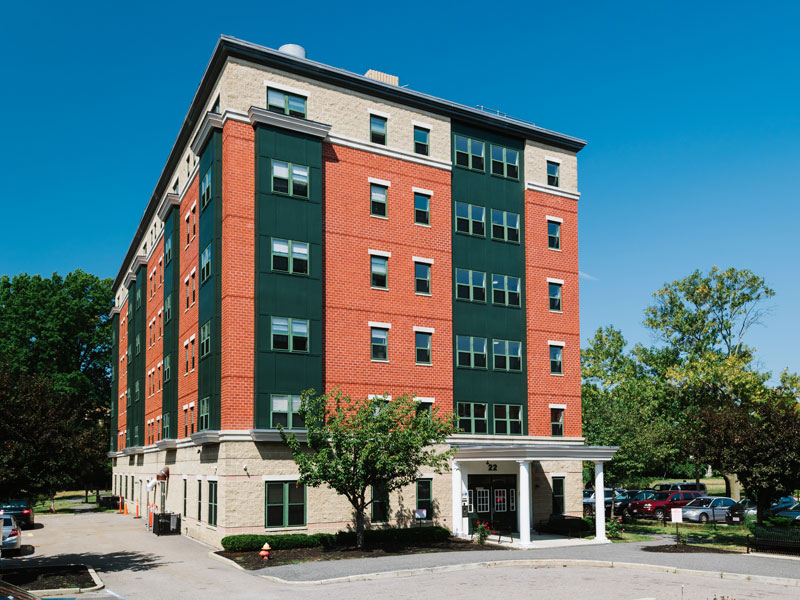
(524, 508)
(599, 503)
(457, 519)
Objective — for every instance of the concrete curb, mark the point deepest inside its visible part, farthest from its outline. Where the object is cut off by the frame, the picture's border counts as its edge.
(542, 563)
(98, 585)
(213, 554)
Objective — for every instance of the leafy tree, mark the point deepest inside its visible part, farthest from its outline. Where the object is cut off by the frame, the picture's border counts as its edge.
(353, 445)
(55, 331)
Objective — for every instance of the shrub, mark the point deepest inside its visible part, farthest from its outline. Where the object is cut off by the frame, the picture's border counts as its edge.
(252, 543)
(482, 531)
(614, 528)
(396, 535)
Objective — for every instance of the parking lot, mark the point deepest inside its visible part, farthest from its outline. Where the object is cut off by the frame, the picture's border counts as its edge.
(135, 564)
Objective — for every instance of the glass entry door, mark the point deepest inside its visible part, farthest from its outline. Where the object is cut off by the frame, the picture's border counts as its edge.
(493, 498)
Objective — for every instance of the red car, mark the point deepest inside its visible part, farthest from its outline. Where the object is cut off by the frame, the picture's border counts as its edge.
(661, 503)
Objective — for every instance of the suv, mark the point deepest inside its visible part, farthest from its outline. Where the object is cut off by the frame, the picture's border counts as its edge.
(661, 503)
(21, 510)
(680, 486)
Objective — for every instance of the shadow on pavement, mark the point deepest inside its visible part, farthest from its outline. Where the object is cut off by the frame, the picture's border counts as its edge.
(26, 550)
(38, 526)
(108, 562)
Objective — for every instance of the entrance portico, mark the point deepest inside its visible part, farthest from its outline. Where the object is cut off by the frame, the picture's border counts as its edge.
(516, 485)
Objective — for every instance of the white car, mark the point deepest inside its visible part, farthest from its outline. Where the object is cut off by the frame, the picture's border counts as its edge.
(707, 508)
(12, 540)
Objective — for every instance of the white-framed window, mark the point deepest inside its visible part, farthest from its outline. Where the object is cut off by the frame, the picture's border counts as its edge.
(483, 500)
(500, 501)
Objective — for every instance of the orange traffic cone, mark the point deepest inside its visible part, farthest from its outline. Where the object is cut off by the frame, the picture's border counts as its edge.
(137, 511)
(150, 511)
(125, 507)
(120, 502)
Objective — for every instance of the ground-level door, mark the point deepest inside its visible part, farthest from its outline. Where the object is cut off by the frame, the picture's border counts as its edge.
(493, 498)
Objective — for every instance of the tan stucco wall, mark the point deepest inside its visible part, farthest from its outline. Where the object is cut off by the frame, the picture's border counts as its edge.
(536, 156)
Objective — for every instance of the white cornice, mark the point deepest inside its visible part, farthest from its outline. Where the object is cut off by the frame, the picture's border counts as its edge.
(390, 152)
(169, 201)
(210, 122)
(549, 189)
(273, 435)
(267, 117)
(537, 452)
(114, 311)
(205, 437)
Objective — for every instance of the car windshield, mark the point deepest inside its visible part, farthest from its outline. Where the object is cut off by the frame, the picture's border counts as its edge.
(701, 502)
(644, 495)
(661, 496)
(588, 493)
(13, 504)
(7, 522)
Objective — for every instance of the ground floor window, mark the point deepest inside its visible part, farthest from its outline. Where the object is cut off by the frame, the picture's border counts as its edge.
(425, 497)
(472, 417)
(163, 497)
(212, 503)
(380, 505)
(184, 497)
(558, 495)
(199, 499)
(285, 504)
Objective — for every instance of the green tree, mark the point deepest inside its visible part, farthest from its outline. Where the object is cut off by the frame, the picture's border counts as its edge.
(353, 445)
(57, 330)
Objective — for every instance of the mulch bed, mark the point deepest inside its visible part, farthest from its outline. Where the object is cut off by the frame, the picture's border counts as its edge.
(685, 549)
(251, 560)
(48, 578)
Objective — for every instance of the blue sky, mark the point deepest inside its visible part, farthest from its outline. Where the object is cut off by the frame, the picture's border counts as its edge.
(690, 110)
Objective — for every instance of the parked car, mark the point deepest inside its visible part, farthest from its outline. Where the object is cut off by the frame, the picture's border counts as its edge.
(793, 512)
(707, 508)
(680, 486)
(748, 508)
(589, 499)
(12, 592)
(661, 503)
(21, 510)
(12, 540)
(623, 500)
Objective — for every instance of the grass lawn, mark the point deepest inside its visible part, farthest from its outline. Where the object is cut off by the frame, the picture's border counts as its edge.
(65, 502)
(723, 536)
(633, 537)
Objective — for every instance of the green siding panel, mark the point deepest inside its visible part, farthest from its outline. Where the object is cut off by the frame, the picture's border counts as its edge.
(279, 294)
(115, 364)
(172, 285)
(484, 254)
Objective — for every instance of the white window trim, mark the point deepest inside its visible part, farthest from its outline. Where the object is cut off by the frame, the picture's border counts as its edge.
(382, 182)
(187, 279)
(558, 281)
(554, 219)
(419, 259)
(191, 339)
(192, 272)
(557, 475)
(378, 113)
(553, 159)
(422, 191)
(191, 404)
(561, 406)
(424, 329)
(381, 253)
(280, 477)
(425, 400)
(160, 363)
(555, 343)
(158, 418)
(212, 478)
(286, 88)
(194, 205)
(185, 407)
(379, 397)
(379, 325)
(427, 126)
(159, 310)
(186, 343)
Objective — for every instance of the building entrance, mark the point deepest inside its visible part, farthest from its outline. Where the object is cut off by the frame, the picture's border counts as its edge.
(493, 498)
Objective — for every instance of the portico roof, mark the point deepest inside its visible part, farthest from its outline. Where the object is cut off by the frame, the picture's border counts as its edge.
(476, 452)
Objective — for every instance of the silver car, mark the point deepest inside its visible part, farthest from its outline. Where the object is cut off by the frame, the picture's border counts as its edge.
(707, 508)
(12, 540)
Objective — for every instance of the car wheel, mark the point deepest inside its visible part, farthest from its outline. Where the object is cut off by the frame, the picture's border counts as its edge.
(659, 514)
(626, 514)
(703, 518)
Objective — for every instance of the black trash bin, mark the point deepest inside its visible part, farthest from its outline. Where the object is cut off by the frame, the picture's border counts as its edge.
(167, 523)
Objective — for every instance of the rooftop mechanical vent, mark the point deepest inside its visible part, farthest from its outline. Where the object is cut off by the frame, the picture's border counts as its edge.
(293, 50)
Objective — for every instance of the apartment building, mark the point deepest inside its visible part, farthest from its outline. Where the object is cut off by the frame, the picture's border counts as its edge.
(315, 228)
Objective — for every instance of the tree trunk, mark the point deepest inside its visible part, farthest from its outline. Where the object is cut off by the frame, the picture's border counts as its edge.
(697, 477)
(86, 496)
(762, 506)
(728, 489)
(360, 527)
(52, 503)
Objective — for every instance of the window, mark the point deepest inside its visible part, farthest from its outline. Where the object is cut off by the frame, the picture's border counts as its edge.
(166, 432)
(470, 285)
(186, 353)
(470, 219)
(422, 140)
(471, 352)
(138, 297)
(554, 235)
(380, 343)
(136, 392)
(203, 414)
(422, 209)
(558, 495)
(380, 504)
(377, 130)
(505, 290)
(205, 190)
(422, 278)
(188, 231)
(425, 497)
(191, 344)
(472, 417)
(286, 103)
(422, 345)
(556, 367)
(377, 200)
(507, 355)
(505, 226)
(289, 334)
(138, 344)
(469, 153)
(290, 179)
(199, 499)
(289, 256)
(128, 397)
(184, 496)
(212, 503)
(379, 266)
(205, 264)
(168, 309)
(512, 499)
(505, 162)
(285, 411)
(557, 422)
(500, 500)
(555, 296)
(285, 504)
(205, 339)
(553, 169)
(507, 419)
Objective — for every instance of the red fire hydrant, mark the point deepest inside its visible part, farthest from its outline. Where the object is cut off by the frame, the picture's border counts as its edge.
(266, 551)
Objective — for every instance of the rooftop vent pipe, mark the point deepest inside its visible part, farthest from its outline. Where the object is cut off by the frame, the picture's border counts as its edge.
(293, 50)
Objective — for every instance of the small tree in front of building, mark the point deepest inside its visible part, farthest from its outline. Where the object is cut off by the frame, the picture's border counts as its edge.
(354, 445)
